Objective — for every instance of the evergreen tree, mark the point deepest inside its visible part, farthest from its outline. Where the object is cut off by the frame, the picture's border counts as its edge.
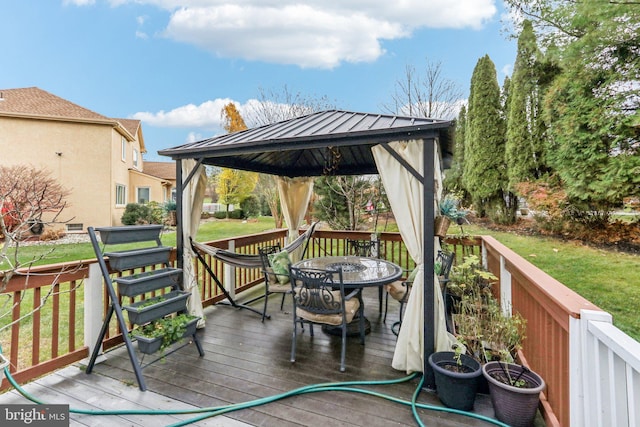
(484, 167)
(453, 179)
(525, 142)
(594, 106)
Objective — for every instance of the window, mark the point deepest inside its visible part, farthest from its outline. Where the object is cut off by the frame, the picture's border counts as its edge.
(124, 148)
(121, 195)
(143, 195)
(135, 158)
(75, 227)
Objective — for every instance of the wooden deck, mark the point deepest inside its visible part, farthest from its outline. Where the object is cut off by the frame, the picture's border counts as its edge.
(247, 360)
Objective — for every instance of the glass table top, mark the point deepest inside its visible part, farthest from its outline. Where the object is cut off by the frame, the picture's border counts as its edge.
(356, 271)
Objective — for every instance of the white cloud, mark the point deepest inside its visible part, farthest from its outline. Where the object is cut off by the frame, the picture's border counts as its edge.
(316, 34)
(507, 69)
(78, 2)
(141, 35)
(205, 116)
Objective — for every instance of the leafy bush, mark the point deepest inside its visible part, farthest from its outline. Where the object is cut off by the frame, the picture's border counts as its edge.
(250, 206)
(235, 214)
(137, 214)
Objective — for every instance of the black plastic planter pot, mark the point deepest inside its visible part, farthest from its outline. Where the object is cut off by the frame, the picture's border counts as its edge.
(456, 383)
(128, 234)
(135, 258)
(148, 345)
(516, 406)
(154, 308)
(136, 284)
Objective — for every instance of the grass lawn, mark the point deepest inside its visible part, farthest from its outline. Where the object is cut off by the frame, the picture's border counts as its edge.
(209, 230)
(609, 279)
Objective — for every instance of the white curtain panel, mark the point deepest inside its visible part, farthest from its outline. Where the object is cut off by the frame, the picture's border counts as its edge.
(295, 194)
(192, 198)
(405, 195)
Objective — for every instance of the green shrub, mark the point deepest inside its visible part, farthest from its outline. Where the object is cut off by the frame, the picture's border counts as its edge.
(137, 214)
(220, 215)
(250, 207)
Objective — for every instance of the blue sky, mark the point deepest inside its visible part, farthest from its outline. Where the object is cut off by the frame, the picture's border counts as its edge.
(174, 63)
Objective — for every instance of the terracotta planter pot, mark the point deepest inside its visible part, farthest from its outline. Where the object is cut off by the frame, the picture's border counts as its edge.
(516, 406)
(441, 226)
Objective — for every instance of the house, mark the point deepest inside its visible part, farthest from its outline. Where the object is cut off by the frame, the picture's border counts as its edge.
(97, 158)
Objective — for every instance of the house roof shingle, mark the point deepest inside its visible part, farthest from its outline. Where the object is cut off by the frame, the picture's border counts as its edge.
(35, 101)
(38, 103)
(163, 170)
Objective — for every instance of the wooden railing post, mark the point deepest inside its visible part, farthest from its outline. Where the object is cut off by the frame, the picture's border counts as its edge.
(93, 308)
(230, 273)
(505, 289)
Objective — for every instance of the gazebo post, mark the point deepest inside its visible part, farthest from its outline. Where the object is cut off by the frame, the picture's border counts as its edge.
(427, 260)
(179, 214)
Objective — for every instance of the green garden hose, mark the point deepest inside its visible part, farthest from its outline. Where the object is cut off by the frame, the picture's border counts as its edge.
(315, 388)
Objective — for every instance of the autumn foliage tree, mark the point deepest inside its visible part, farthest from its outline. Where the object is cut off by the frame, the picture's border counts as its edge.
(233, 186)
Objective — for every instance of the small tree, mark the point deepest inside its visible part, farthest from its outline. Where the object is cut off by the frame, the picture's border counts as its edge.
(30, 200)
(342, 200)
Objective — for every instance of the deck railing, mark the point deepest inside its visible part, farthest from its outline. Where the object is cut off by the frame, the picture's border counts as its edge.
(591, 368)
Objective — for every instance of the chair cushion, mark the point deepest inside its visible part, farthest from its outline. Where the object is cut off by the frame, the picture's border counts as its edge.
(352, 305)
(397, 290)
(280, 263)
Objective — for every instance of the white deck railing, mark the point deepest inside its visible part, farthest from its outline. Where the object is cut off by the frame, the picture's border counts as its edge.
(605, 373)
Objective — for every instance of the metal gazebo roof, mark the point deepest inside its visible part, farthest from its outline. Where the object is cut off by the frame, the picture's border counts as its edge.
(328, 142)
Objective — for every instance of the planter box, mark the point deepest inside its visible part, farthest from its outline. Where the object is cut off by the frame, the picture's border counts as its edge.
(129, 234)
(141, 283)
(168, 303)
(136, 258)
(148, 345)
(4, 362)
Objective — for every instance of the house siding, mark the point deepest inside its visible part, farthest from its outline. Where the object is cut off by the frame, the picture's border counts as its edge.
(89, 164)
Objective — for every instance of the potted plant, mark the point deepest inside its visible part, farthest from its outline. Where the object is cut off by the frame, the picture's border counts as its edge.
(169, 209)
(467, 278)
(515, 392)
(161, 333)
(449, 212)
(159, 306)
(456, 376)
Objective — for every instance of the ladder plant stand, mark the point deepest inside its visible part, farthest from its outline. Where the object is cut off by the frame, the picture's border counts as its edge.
(147, 310)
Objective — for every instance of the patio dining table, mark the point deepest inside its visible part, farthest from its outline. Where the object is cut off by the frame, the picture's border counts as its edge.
(357, 273)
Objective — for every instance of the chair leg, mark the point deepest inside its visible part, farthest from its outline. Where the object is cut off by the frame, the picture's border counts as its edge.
(266, 299)
(343, 350)
(380, 292)
(284, 294)
(293, 340)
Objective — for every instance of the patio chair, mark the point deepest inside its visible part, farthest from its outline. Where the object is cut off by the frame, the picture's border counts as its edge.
(272, 284)
(401, 289)
(369, 249)
(319, 298)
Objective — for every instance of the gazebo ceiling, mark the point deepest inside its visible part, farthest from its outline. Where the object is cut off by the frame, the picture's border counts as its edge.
(326, 143)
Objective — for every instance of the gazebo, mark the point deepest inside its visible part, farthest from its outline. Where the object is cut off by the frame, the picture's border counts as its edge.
(408, 153)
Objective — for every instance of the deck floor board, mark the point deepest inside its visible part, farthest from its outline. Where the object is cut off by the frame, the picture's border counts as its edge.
(246, 360)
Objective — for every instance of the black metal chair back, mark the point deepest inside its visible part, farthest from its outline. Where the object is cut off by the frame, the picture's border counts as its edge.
(315, 292)
(318, 297)
(365, 248)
